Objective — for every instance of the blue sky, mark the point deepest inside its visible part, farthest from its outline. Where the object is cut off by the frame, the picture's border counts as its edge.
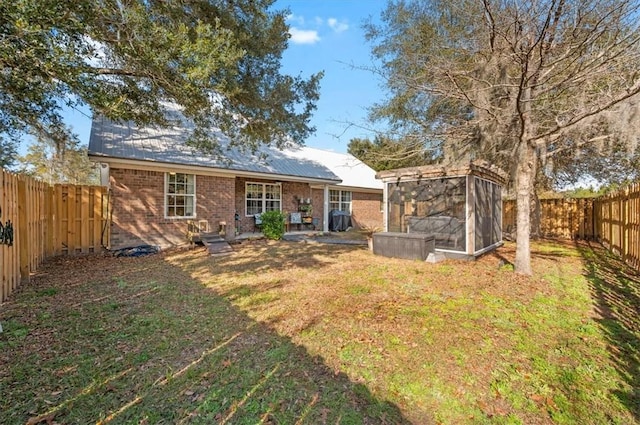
(326, 35)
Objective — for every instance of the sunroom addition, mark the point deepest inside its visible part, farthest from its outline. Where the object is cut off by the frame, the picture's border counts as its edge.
(460, 206)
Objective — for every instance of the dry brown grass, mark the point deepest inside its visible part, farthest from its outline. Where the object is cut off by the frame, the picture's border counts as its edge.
(445, 341)
(286, 332)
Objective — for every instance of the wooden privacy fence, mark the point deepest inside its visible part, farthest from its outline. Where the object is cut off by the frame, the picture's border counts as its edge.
(559, 218)
(618, 218)
(613, 220)
(47, 221)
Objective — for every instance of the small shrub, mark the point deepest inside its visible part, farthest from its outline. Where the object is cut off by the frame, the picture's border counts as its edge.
(273, 225)
(370, 230)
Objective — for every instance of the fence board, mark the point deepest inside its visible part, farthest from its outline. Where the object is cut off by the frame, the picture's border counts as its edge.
(59, 213)
(21, 241)
(96, 216)
(71, 220)
(613, 219)
(48, 220)
(559, 218)
(84, 218)
(49, 212)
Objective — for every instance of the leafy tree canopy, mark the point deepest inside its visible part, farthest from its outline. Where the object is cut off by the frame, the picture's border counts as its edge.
(384, 153)
(7, 153)
(460, 72)
(218, 59)
(57, 157)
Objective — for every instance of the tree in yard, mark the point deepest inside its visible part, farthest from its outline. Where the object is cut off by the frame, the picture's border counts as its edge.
(385, 153)
(56, 157)
(217, 59)
(548, 83)
(7, 153)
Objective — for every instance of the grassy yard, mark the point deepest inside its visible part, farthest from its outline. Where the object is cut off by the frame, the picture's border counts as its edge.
(294, 333)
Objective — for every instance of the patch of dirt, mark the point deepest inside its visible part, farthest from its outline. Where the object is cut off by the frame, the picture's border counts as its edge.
(351, 235)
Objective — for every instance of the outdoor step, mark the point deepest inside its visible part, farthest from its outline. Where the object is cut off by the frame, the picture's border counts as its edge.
(211, 237)
(216, 245)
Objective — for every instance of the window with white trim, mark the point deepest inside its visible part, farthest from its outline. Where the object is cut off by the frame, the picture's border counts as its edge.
(180, 195)
(340, 200)
(262, 197)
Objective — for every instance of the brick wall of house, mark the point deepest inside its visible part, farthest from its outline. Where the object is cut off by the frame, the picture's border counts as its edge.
(366, 210)
(215, 202)
(317, 200)
(139, 208)
(291, 193)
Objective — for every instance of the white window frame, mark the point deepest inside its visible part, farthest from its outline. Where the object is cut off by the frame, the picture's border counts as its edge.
(341, 202)
(185, 195)
(263, 200)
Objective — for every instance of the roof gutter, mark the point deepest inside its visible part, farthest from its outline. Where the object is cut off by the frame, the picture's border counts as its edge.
(335, 186)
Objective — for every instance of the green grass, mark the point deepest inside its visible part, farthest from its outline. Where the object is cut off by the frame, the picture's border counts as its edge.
(311, 334)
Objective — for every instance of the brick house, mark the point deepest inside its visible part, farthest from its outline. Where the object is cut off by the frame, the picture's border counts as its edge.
(159, 185)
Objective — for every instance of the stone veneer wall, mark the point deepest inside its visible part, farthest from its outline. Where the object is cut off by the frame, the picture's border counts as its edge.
(139, 208)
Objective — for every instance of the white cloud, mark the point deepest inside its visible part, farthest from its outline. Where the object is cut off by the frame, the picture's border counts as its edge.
(337, 26)
(299, 36)
(299, 20)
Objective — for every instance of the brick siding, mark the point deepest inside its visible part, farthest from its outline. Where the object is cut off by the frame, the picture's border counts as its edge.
(291, 193)
(366, 210)
(139, 208)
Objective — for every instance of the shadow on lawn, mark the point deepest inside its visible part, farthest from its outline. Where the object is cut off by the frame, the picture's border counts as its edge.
(616, 292)
(139, 340)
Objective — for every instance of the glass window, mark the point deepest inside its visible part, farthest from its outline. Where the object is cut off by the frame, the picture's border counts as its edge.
(262, 197)
(340, 200)
(180, 196)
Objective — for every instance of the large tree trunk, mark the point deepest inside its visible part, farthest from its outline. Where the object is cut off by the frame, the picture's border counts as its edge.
(525, 175)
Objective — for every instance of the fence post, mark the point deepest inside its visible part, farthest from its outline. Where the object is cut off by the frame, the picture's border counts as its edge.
(49, 212)
(22, 238)
(624, 225)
